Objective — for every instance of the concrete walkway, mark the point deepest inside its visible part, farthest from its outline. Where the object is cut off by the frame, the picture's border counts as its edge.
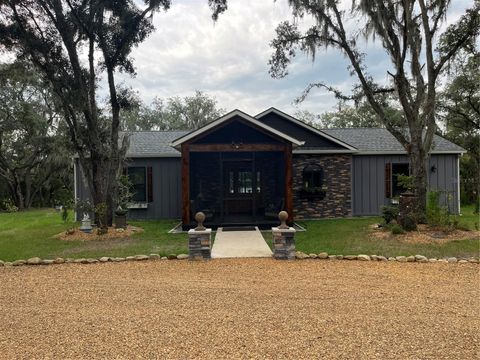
(234, 244)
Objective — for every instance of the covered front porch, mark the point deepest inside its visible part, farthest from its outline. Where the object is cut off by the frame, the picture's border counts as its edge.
(237, 188)
(238, 173)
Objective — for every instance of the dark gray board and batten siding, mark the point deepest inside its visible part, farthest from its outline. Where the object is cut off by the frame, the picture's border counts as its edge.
(369, 180)
(167, 192)
(368, 184)
(167, 189)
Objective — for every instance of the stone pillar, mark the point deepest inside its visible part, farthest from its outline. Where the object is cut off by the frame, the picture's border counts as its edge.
(199, 244)
(283, 243)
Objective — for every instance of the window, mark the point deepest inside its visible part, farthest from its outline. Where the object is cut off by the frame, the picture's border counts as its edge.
(138, 179)
(392, 170)
(241, 182)
(259, 182)
(398, 169)
(312, 178)
(245, 182)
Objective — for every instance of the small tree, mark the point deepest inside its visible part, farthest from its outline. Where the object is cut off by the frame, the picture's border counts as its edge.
(124, 195)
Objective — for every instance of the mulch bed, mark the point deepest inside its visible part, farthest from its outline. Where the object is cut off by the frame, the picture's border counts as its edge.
(113, 233)
(424, 235)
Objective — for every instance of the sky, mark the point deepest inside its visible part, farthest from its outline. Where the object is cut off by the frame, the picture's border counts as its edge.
(228, 59)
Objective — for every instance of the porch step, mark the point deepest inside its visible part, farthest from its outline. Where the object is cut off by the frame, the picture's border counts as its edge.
(239, 228)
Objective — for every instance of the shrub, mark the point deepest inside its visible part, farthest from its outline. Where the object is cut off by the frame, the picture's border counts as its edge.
(439, 216)
(409, 223)
(8, 205)
(406, 181)
(397, 229)
(389, 213)
(436, 214)
(123, 195)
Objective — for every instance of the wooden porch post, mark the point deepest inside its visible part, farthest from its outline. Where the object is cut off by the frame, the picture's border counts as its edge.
(289, 182)
(185, 185)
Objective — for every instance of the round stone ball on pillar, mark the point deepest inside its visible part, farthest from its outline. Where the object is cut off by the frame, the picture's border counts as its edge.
(283, 216)
(200, 218)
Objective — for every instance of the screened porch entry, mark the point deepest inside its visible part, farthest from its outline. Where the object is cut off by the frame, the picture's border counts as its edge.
(236, 170)
(237, 188)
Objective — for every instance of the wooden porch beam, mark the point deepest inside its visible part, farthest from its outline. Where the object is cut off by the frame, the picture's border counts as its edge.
(235, 147)
(289, 182)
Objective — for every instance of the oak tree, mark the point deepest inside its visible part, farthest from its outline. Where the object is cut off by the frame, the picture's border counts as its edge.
(76, 44)
(407, 31)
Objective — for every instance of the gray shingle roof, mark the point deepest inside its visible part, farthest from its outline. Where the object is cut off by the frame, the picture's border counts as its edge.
(371, 140)
(377, 140)
(153, 143)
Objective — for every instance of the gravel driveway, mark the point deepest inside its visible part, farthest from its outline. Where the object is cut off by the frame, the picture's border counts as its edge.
(242, 308)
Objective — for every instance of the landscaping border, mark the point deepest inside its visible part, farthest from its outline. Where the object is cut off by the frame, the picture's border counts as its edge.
(298, 256)
(403, 259)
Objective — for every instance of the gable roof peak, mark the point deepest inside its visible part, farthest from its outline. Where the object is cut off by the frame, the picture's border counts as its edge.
(236, 112)
(305, 126)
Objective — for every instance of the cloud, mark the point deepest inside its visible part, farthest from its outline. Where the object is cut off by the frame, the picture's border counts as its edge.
(228, 59)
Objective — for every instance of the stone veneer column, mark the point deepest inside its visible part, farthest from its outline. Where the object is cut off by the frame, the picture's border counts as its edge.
(337, 179)
(283, 243)
(199, 244)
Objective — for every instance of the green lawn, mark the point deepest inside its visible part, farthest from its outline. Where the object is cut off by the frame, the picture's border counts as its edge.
(352, 236)
(30, 233)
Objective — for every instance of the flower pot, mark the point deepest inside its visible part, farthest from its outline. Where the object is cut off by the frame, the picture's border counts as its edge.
(121, 221)
(86, 224)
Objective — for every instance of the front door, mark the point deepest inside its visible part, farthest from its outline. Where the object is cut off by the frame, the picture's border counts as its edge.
(239, 191)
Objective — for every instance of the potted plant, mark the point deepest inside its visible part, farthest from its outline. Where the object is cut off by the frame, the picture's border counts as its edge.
(122, 199)
(311, 192)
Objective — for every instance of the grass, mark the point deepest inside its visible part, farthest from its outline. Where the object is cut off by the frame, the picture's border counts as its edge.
(31, 233)
(351, 236)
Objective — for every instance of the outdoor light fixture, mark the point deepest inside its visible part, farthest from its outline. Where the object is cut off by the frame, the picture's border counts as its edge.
(236, 146)
(433, 169)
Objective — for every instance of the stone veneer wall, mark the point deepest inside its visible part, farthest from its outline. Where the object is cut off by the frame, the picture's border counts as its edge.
(336, 177)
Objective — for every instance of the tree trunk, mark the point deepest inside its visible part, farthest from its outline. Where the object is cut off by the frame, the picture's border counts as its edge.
(99, 189)
(19, 200)
(418, 163)
(114, 152)
(28, 189)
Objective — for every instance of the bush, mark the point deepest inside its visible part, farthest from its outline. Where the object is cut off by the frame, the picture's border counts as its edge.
(436, 214)
(409, 223)
(8, 206)
(389, 213)
(397, 229)
(439, 216)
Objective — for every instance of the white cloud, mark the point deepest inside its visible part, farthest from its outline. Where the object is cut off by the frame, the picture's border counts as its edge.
(228, 59)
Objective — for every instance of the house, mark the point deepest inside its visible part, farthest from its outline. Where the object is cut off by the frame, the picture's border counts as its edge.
(241, 169)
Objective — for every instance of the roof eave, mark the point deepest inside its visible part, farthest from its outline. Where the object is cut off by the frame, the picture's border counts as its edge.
(402, 152)
(157, 155)
(329, 151)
